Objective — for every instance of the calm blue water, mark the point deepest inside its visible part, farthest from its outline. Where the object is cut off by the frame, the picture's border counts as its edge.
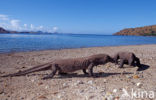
(31, 42)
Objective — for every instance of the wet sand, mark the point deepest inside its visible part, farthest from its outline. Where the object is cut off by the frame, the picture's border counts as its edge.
(75, 86)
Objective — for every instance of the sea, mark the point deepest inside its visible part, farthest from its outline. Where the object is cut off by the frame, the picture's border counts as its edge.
(35, 42)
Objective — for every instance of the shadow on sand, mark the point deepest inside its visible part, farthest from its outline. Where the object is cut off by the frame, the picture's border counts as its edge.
(143, 67)
(96, 75)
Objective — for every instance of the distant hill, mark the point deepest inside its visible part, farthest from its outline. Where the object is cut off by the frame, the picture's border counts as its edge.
(2, 30)
(139, 31)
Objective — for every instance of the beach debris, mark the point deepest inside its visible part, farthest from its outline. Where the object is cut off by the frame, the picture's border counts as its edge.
(139, 85)
(135, 76)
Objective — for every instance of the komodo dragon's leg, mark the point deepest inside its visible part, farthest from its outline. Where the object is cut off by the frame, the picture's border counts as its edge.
(54, 69)
(137, 60)
(90, 69)
(121, 63)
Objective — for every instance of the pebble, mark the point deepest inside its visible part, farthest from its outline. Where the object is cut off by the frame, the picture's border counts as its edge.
(128, 76)
(1, 91)
(139, 85)
(105, 80)
(115, 90)
(46, 87)
(78, 82)
(90, 82)
(109, 96)
(42, 97)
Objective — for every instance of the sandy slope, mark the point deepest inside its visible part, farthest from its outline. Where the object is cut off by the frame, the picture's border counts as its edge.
(76, 86)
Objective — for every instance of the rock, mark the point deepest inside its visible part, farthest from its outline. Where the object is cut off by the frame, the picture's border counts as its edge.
(109, 96)
(115, 90)
(105, 80)
(65, 84)
(46, 87)
(139, 85)
(1, 91)
(59, 96)
(91, 97)
(78, 82)
(116, 98)
(90, 82)
(128, 76)
(40, 83)
(42, 97)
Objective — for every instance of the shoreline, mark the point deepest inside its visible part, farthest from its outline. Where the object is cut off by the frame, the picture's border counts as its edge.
(70, 49)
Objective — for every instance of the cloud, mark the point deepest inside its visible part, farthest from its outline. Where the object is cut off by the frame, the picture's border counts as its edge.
(4, 17)
(16, 25)
(55, 29)
(31, 26)
(25, 25)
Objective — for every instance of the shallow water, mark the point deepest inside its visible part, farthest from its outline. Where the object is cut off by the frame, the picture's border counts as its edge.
(33, 42)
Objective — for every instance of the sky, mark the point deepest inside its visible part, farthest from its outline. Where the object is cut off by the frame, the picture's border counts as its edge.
(76, 16)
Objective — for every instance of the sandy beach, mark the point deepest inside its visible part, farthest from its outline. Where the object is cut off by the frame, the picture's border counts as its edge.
(110, 84)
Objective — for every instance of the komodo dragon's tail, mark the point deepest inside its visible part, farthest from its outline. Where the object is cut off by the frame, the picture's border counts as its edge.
(34, 69)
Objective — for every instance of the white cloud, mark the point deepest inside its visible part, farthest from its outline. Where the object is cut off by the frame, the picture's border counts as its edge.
(4, 17)
(40, 27)
(55, 29)
(16, 25)
(25, 25)
(32, 26)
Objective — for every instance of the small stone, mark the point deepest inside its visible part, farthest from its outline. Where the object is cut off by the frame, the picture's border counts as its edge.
(80, 82)
(91, 97)
(105, 80)
(115, 90)
(128, 76)
(42, 97)
(139, 85)
(32, 80)
(59, 96)
(90, 82)
(81, 91)
(1, 91)
(40, 83)
(46, 87)
(65, 84)
(116, 98)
